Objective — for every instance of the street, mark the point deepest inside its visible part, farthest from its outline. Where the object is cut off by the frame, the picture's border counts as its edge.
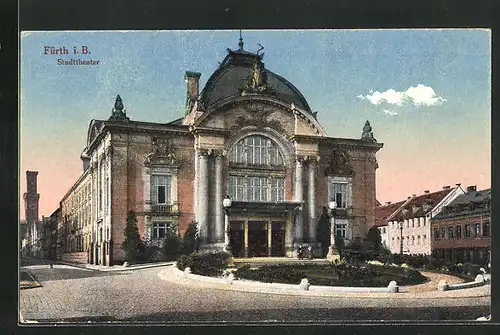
(71, 294)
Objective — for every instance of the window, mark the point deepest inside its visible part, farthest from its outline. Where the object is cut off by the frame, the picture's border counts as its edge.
(424, 239)
(486, 229)
(338, 193)
(383, 230)
(418, 222)
(159, 230)
(476, 229)
(442, 232)
(418, 239)
(467, 230)
(459, 231)
(407, 240)
(413, 240)
(450, 232)
(413, 223)
(160, 189)
(277, 189)
(257, 189)
(340, 229)
(256, 150)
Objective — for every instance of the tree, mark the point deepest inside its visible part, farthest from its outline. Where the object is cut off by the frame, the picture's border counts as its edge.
(190, 239)
(339, 244)
(323, 232)
(132, 242)
(171, 245)
(374, 239)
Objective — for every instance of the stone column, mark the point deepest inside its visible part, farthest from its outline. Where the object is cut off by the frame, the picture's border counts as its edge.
(312, 201)
(245, 234)
(299, 196)
(203, 198)
(269, 238)
(219, 213)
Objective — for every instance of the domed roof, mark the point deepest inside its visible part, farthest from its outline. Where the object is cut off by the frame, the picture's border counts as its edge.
(235, 74)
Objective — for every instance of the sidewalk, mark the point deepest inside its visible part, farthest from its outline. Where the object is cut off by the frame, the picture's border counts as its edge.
(104, 268)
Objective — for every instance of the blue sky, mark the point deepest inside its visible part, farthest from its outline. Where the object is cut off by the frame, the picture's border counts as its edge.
(435, 134)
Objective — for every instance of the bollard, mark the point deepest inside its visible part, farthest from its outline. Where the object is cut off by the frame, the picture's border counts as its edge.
(125, 264)
(187, 271)
(443, 285)
(393, 287)
(230, 279)
(479, 278)
(304, 284)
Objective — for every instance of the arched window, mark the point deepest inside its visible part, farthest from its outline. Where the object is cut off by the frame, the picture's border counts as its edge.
(264, 184)
(256, 150)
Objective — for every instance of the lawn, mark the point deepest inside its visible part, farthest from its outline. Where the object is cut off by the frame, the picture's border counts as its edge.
(355, 275)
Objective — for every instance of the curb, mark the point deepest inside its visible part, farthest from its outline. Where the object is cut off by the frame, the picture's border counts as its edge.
(110, 269)
(33, 283)
(179, 277)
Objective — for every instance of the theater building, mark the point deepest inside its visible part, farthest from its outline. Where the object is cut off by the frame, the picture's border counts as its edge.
(248, 136)
(461, 232)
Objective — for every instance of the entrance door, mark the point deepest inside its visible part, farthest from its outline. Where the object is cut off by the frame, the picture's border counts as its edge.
(278, 238)
(257, 238)
(236, 239)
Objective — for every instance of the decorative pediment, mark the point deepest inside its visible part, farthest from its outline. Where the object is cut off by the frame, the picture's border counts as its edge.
(338, 163)
(257, 115)
(163, 152)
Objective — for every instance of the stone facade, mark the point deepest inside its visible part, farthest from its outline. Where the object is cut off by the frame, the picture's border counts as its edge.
(461, 232)
(415, 215)
(249, 135)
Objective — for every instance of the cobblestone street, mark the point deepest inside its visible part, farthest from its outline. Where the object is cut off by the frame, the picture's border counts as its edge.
(74, 295)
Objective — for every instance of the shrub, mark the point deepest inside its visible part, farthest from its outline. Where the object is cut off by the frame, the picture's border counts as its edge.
(206, 264)
(189, 240)
(151, 253)
(171, 245)
(132, 243)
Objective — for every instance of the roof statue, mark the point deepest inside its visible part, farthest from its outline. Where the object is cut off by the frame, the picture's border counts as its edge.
(257, 81)
(118, 113)
(367, 133)
(240, 43)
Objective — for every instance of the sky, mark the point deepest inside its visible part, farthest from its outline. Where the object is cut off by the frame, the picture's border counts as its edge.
(426, 93)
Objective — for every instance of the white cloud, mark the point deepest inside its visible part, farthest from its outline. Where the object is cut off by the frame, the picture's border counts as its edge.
(389, 112)
(420, 95)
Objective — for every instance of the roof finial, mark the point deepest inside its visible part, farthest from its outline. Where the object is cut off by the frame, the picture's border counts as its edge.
(367, 133)
(240, 43)
(118, 113)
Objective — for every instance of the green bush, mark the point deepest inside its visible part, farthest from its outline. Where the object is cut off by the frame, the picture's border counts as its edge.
(205, 264)
(171, 245)
(151, 253)
(189, 240)
(342, 274)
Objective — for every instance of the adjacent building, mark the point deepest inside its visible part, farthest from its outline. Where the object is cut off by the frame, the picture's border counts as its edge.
(461, 232)
(33, 239)
(409, 228)
(382, 212)
(249, 136)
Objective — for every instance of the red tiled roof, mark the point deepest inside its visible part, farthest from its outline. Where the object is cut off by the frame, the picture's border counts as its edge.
(383, 212)
(418, 202)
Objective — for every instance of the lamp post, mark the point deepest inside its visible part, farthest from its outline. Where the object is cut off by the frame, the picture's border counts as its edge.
(226, 203)
(401, 237)
(332, 252)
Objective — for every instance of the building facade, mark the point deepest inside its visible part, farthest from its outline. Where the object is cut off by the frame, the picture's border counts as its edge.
(382, 212)
(409, 228)
(249, 136)
(34, 230)
(461, 232)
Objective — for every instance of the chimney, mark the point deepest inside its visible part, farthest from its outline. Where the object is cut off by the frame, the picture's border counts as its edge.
(471, 188)
(409, 197)
(413, 195)
(446, 187)
(426, 191)
(192, 81)
(388, 203)
(458, 184)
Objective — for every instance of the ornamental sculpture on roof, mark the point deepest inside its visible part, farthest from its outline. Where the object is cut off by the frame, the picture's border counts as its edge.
(118, 113)
(257, 81)
(367, 133)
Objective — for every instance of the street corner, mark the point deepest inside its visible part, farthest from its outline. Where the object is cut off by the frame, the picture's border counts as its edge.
(27, 280)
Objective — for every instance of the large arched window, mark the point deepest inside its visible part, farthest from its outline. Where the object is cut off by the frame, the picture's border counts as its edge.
(264, 184)
(256, 150)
